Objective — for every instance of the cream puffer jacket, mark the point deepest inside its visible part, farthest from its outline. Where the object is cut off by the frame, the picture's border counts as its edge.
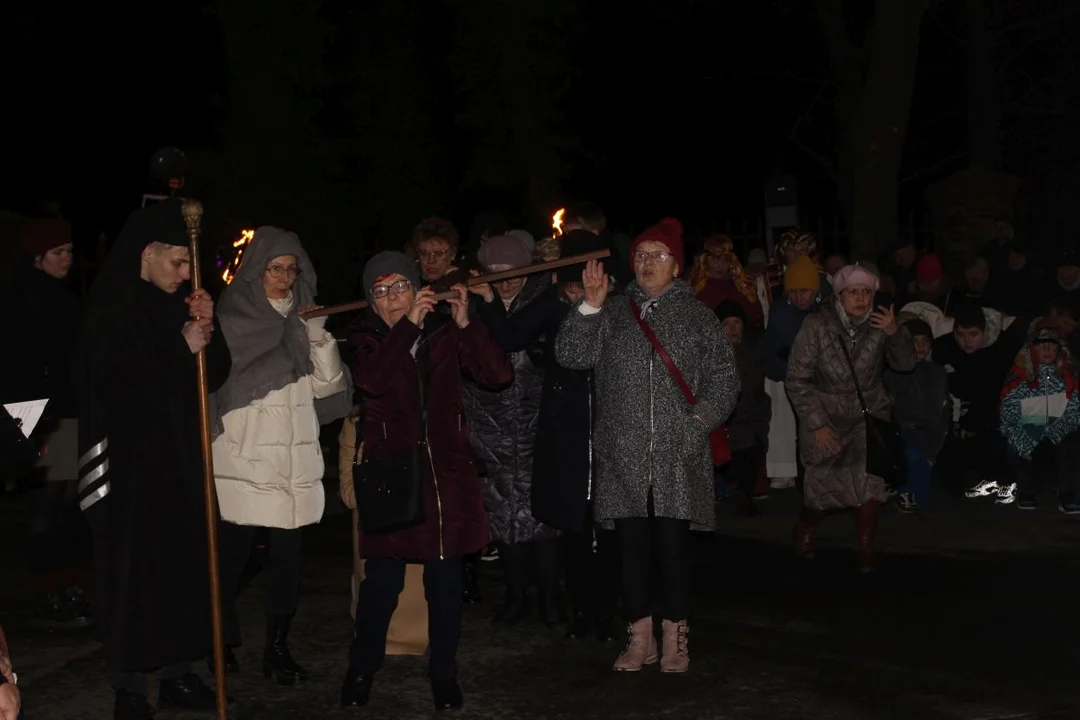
(268, 463)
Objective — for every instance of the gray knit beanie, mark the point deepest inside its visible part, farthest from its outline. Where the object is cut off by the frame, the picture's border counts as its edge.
(388, 262)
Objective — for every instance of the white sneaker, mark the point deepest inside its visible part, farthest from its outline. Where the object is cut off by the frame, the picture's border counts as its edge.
(984, 488)
(1006, 495)
(905, 502)
(781, 483)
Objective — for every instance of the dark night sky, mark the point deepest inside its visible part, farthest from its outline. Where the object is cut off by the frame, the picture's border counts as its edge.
(683, 107)
(99, 89)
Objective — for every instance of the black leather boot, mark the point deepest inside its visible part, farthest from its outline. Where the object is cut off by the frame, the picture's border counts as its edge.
(232, 665)
(277, 661)
(187, 692)
(130, 706)
(579, 626)
(356, 691)
(549, 602)
(514, 562)
(447, 694)
(605, 628)
(549, 607)
(515, 608)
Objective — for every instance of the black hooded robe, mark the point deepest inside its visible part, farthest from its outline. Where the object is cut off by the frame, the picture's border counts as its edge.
(141, 483)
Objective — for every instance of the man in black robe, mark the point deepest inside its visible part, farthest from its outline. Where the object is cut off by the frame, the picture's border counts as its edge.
(140, 466)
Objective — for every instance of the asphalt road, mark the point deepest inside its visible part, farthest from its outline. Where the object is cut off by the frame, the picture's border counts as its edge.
(973, 615)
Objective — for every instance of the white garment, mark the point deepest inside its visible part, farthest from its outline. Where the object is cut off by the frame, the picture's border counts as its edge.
(781, 460)
(268, 463)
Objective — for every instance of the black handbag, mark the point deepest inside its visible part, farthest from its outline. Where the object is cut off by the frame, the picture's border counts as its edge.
(390, 490)
(885, 453)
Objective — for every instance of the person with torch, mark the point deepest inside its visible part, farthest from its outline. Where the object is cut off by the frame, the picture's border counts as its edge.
(140, 460)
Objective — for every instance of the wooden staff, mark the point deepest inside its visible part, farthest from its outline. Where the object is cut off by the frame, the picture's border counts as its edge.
(193, 211)
(479, 280)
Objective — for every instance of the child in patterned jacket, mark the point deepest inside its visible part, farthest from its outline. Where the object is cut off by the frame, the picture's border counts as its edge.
(1040, 416)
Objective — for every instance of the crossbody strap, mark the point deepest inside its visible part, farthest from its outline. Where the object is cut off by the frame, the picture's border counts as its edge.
(679, 379)
(854, 378)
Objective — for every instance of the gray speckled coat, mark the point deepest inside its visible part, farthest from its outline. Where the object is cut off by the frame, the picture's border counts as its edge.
(645, 433)
(822, 392)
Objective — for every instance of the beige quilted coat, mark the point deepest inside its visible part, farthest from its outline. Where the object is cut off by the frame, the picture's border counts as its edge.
(822, 392)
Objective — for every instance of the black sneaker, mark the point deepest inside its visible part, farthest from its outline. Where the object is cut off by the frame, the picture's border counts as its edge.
(130, 706)
(1026, 502)
(188, 692)
(1068, 505)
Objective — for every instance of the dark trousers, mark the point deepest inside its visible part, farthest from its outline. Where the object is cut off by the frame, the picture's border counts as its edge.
(1060, 462)
(745, 468)
(57, 532)
(592, 575)
(384, 579)
(663, 543)
(283, 567)
(527, 563)
(137, 683)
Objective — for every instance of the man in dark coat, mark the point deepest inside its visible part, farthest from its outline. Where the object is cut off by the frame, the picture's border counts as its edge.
(140, 465)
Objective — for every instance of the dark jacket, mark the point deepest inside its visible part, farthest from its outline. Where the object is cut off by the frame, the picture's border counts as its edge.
(921, 405)
(502, 428)
(975, 379)
(785, 320)
(45, 319)
(150, 524)
(561, 463)
(389, 378)
(749, 423)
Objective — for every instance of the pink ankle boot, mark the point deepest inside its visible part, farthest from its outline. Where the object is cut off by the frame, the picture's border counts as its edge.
(676, 658)
(640, 647)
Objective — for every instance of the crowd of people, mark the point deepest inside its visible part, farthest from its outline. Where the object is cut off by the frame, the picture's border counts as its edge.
(578, 424)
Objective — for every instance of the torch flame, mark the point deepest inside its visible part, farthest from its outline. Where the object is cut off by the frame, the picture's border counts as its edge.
(240, 243)
(557, 222)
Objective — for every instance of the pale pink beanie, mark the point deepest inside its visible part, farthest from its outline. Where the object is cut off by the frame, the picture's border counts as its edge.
(855, 275)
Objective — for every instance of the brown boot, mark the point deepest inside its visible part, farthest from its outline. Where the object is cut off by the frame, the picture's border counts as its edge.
(640, 647)
(866, 516)
(676, 653)
(804, 532)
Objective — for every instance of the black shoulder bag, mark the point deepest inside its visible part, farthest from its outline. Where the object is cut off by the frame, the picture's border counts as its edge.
(885, 453)
(390, 490)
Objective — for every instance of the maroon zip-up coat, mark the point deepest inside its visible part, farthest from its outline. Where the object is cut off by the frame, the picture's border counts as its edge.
(389, 377)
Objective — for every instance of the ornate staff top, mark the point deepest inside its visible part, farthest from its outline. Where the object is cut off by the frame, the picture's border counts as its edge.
(192, 211)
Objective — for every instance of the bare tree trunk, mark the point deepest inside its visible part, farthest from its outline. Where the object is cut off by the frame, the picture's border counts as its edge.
(984, 101)
(876, 132)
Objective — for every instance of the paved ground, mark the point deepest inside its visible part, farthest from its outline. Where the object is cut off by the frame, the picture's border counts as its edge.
(973, 616)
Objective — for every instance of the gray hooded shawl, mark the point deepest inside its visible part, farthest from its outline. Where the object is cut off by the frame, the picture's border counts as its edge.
(269, 351)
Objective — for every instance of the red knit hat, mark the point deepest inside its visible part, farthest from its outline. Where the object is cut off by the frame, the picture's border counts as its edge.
(38, 237)
(929, 269)
(669, 232)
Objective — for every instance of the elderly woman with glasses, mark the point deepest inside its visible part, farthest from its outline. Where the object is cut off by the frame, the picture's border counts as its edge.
(503, 427)
(654, 469)
(287, 379)
(408, 363)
